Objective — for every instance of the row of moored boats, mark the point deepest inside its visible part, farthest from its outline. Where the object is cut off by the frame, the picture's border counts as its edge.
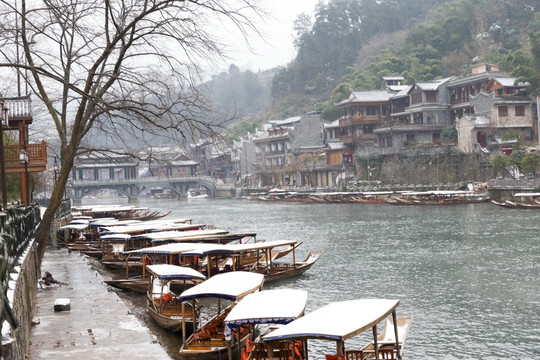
(435, 197)
(178, 262)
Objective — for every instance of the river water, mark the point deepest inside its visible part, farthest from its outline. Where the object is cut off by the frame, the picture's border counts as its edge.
(469, 274)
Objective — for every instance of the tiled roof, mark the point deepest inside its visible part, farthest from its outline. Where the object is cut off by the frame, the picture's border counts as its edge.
(432, 85)
(367, 96)
(509, 82)
(403, 92)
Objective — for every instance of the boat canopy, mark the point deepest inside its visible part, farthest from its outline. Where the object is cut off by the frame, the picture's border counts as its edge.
(231, 286)
(207, 235)
(80, 221)
(527, 195)
(279, 306)
(167, 271)
(73, 227)
(118, 237)
(165, 249)
(336, 321)
(154, 227)
(205, 249)
(173, 235)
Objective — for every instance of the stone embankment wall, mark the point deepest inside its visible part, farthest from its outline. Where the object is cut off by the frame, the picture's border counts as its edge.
(18, 227)
(22, 296)
(504, 189)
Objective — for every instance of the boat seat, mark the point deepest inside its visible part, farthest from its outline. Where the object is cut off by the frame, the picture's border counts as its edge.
(354, 355)
(388, 335)
(334, 357)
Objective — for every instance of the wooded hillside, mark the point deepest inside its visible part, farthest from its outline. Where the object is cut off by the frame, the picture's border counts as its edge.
(350, 44)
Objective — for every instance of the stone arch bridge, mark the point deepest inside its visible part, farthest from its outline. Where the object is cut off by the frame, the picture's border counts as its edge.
(132, 188)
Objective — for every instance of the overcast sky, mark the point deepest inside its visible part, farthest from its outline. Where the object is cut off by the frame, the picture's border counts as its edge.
(277, 47)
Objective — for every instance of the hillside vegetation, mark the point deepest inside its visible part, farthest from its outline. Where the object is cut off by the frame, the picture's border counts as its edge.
(350, 44)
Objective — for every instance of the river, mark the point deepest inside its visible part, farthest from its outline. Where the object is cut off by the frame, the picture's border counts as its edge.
(469, 274)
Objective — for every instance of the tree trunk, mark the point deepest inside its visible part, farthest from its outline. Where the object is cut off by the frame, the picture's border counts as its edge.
(44, 228)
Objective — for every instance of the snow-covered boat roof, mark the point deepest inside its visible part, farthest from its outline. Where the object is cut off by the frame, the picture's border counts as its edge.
(526, 194)
(278, 306)
(336, 321)
(119, 237)
(79, 221)
(73, 227)
(204, 249)
(167, 271)
(231, 286)
(164, 226)
(166, 249)
(172, 235)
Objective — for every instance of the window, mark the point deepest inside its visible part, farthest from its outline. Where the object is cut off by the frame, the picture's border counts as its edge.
(416, 98)
(431, 96)
(520, 110)
(503, 110)
(371, 110)
(347, 158)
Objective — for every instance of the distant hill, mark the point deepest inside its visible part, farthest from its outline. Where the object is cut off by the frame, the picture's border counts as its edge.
(351, 44)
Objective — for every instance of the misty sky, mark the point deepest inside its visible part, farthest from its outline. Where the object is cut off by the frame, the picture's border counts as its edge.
(278, 28)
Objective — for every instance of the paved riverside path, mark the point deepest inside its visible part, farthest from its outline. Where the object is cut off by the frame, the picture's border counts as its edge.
(99, 325)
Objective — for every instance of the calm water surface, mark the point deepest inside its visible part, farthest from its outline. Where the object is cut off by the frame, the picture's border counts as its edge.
(469, 274)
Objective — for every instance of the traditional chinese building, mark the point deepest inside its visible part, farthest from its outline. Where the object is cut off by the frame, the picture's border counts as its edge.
(23, 158)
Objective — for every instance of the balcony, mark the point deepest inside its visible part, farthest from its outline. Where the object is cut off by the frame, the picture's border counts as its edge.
(363, 120)
(19, 108)
(459, 101)
(356, 139)
(37, 158)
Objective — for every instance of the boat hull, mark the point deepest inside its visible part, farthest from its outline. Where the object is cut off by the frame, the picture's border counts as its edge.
(288, 271)
(170, 323)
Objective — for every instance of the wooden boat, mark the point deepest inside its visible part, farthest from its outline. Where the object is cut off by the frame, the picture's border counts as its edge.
(145, 227)
(269, 307)
(139, 283)
(136, 284)
(208, 341)
(163, 305)
(278, 271)
(170, 236)
(212, 259)
(340, 321)
(387, 340)
(505, 204)
(119, 212)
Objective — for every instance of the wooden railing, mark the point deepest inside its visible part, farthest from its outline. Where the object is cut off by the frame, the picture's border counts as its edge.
(37, 153)
(18, 107)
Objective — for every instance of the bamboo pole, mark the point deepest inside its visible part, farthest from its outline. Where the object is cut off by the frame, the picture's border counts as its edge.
(394, 319)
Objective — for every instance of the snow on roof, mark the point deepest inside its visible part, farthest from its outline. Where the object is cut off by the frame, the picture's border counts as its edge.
(333, 124)
(168, 271)
(172, 235)
(335, 146)
(397, 88)
(432, 85)
(278, 306)
(395, 77)
(367, 96)
(231, 286)
(403, 92)
(288, 121)
(337, 321)
(510, 82)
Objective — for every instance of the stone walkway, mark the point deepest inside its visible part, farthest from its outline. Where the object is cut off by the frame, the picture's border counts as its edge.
(99, 324)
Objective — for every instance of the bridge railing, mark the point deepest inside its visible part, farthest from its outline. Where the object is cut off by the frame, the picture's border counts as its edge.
(142, 180)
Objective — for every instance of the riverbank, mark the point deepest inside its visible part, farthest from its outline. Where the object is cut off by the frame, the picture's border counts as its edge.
(99, 324)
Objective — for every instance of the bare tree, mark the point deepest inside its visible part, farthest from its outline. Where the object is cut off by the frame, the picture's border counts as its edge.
(117, 67)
